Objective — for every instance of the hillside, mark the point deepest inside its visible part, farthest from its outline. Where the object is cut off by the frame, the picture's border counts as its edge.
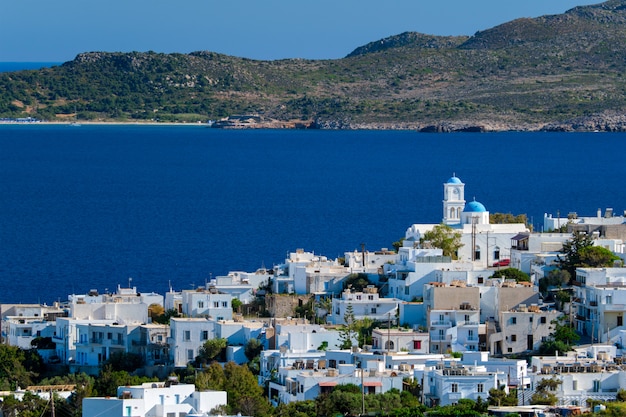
(559, 72)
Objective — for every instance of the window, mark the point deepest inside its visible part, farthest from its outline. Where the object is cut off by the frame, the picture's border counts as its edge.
(597, 386)
(358, 297)
(417, 344)
(373, 310)
(109, 335)
(187, 335)
(455, 388)
(200, 304)
(496, 253)
(224, 304)
(477, 254)
(216, 304)
(513, 338)
(530, 319)
(189, 354)
(204, 335)
(406, 290)
(542, 320)
(389, 344)
(574, 385)
(370, 297)
(480, 388)
(513, 320)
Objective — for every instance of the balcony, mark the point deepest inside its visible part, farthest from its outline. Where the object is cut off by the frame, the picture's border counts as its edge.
(446, 323)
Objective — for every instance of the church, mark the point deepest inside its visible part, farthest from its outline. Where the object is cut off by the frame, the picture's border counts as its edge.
(483, 243)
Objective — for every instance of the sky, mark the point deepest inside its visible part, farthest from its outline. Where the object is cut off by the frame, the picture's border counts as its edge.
(56, 31)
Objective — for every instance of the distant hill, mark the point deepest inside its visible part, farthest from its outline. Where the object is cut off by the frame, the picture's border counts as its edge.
(559, 72)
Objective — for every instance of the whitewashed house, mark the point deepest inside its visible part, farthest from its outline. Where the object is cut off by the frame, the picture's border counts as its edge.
(585, 374)
(187, 335)
(599, 302)
(22, 331)
(169, 399)
(206, 303)
(97, 342)
(364, 304)
(68, 335)
(150, 342)
(400, 340)
(521, 329)
(448, 382)
(300, 385)
(124, 306)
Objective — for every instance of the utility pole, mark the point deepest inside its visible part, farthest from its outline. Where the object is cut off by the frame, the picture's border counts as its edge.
(52, 403)
(362, 388)
(388, 332)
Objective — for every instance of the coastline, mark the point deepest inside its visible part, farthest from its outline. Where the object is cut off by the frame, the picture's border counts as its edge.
(605, 122)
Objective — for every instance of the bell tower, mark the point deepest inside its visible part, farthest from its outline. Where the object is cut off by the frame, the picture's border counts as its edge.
(453, 200)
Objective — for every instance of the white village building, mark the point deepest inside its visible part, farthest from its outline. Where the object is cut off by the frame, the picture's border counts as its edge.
(483, 243)
(169, 399)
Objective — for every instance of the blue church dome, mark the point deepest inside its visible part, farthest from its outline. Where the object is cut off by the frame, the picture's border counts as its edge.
(474, 207)
(454, 180)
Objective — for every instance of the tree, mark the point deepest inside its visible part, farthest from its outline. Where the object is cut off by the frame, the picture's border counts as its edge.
(561, 339)
(398, 244)
(444, 237)
(165, 317)
(512, 273)
(236, 303)
(125, 361)
(544, 392)
(211, 378)
(245, 395)
(498, 397)
(597, 257)
(344, 399)
(555, 278)
(571, 252)
(304, 408)
(348, 333)
(155, 310)
(108, 380)
(210, 350)
(356, 282)
(503, 218)
(18, 366)
(253, 349)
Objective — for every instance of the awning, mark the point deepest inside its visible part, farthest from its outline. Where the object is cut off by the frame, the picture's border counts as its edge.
(520, 236)
(328, 384)
(372, 384)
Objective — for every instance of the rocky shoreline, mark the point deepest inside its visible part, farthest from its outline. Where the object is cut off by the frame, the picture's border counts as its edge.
(615, 122)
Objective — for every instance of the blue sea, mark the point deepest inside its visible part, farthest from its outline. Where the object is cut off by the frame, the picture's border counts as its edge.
(18, 66)
(90, 207)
